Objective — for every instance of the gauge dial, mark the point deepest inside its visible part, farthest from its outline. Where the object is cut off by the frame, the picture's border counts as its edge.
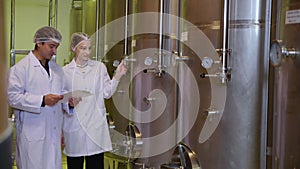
(276, 55)
(116, 63)
(148, 61)
(207, 62)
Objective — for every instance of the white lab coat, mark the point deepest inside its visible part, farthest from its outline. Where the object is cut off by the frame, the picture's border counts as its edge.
(86, 131)
(38, 128)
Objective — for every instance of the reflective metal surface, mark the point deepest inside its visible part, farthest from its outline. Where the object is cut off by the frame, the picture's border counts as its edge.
(240, 127)
(5, 127)
(76, 17)
(183, 157)
(128, 146)
(162, 70)
(286, 101)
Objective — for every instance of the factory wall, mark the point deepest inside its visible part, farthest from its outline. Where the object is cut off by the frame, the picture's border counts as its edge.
(31, 15)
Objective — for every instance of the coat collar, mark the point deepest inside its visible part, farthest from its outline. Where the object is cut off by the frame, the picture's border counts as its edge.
(36, 61)
(91, 63)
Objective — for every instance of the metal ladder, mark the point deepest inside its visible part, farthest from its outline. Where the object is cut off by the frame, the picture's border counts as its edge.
(52, 21)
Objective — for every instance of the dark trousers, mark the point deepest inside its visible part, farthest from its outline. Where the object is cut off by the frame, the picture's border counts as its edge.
(91, 162)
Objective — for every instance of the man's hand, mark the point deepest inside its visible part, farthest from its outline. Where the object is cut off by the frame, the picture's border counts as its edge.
(52, 99)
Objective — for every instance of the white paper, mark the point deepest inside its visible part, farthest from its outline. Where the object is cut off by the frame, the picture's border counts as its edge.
(75, 93)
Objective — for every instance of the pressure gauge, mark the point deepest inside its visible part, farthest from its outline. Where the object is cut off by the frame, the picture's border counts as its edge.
(116, 63)
(148, 61)
(207, 62)
(276, 55)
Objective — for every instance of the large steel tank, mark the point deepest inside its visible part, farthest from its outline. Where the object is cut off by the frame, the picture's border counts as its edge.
(285, 58)
(5, 128)
(76, 17)
(165, 65)
(143, 80)
(239, 141)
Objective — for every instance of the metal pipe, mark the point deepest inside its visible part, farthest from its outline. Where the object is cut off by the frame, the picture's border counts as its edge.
(103, 21)
(179, 44)
(56, 13)
(24, 52)
(53, 18)
(179, 48)
(55, 21)
(225, 50)
(265, 89)
(50, 13)
(160, 43)
(126, 29)
(12, 34)
(97, 27)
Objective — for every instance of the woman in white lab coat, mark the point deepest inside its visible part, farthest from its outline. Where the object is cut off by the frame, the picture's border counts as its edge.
(35, 85)
(86, 134)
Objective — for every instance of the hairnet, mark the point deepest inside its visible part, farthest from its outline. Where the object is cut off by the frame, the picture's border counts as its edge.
(47, 34)
(77, 38)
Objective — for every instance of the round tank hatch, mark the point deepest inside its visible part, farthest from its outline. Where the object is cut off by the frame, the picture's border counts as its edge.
(183, 158)
(130, 145)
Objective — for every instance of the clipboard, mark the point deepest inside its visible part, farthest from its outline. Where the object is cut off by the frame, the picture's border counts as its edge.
(75, 93)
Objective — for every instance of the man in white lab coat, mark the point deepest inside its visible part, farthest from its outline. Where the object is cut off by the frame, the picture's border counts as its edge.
(35, 85)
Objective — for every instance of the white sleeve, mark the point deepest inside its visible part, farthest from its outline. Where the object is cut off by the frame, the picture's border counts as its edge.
(18, 98)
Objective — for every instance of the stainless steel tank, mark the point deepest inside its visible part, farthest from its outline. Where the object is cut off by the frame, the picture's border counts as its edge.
(143, 80)
(76, 17)
(243, 125)
(83, 16)
(239, 140)
(285, 58)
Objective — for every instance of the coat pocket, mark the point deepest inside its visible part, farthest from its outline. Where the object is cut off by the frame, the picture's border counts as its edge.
(34, 128)
(74, 142)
